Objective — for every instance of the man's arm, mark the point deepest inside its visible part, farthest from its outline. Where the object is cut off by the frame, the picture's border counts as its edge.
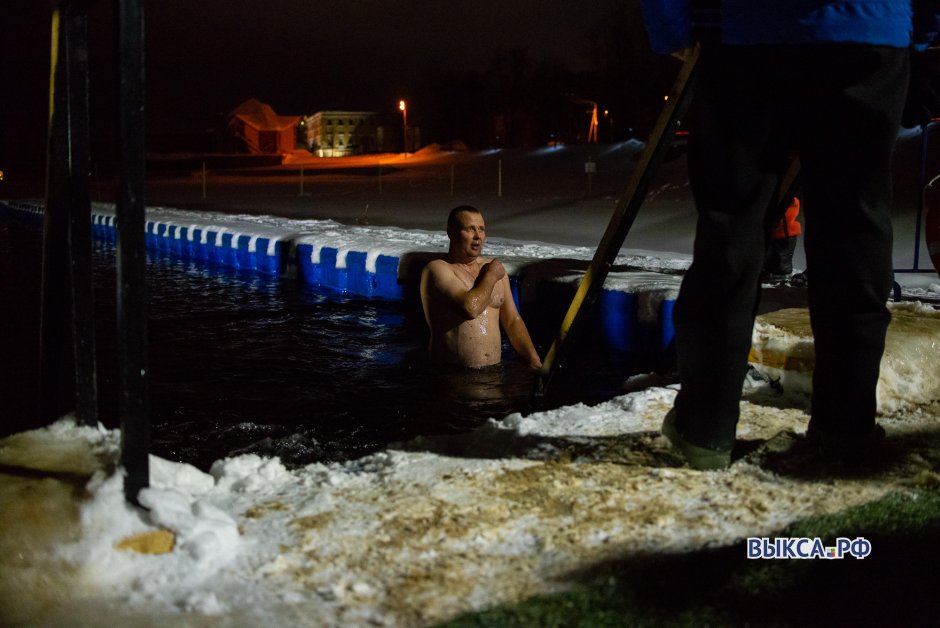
(470, 303)
(516, 331)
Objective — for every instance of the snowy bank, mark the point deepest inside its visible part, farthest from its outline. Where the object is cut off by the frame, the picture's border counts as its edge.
(782, 349)
(413, 535)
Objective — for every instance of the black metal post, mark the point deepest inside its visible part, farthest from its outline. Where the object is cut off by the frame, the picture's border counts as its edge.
(922, 181)
(83, 309)
(924, 152)
(131, 254)
(53, 316)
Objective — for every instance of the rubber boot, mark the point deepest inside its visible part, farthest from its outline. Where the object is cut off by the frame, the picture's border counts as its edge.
(778, 262)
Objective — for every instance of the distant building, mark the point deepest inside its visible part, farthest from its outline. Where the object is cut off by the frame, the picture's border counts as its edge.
(341, 133)
(261, 131)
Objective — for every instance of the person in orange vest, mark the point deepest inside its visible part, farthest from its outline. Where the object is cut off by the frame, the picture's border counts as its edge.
(778, 260)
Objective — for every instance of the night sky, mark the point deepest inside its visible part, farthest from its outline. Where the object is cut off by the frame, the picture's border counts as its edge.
(205, 57)
(301, 54)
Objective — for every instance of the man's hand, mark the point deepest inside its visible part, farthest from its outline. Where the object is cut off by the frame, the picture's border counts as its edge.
(493, 268)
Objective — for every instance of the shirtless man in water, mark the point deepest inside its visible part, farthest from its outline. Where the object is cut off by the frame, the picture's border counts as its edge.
(467, 298)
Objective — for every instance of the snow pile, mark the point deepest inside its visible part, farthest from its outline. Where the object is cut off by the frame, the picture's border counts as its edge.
(782, 350)
(909, 370)
(204, 538)
(623, 414)
(920, 288)
(434, 527)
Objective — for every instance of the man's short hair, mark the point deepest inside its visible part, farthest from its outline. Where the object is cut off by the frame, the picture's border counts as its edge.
(452, 223)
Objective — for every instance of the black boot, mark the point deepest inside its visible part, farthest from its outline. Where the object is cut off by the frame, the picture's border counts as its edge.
(778, 261)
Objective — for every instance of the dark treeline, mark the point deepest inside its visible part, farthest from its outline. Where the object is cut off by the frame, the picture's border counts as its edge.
(518, 103)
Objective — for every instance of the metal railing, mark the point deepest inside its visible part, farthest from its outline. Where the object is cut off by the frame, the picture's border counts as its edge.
(67, 307)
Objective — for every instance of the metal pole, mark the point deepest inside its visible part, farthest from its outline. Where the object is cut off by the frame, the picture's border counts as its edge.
(83, 308)
(925, 136)
(499, 178)
(922, 181)
(404, 127)
(53, 314)
(133, 400)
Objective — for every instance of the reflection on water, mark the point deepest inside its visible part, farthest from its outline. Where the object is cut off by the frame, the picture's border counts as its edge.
(246, 364)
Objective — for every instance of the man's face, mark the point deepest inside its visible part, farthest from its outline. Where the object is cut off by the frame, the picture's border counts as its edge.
(471, 235)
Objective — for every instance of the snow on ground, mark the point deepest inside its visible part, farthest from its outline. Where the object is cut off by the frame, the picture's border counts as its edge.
(431, 528)
(782, 349)
(426, 529)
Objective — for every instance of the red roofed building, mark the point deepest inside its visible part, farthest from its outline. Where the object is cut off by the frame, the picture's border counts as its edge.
(261, 131)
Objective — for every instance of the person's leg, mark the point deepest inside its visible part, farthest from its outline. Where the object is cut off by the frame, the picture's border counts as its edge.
(734, 168)
(778, 262)
(846, 156)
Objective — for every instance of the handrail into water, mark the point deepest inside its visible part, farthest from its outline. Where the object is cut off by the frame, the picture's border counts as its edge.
(67, 302)
(625, 213)
(133, 369)
(67, 305)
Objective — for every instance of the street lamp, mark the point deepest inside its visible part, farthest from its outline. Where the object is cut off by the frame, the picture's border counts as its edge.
(404, 125)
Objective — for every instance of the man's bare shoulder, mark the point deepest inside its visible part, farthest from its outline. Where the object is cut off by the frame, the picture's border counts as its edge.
(439, 273)
(437, 267)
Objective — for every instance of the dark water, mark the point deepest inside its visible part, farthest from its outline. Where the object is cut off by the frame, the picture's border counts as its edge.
(241, 363)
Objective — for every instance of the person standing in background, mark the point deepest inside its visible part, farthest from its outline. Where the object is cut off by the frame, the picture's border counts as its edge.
(778, 260)
(824, 80)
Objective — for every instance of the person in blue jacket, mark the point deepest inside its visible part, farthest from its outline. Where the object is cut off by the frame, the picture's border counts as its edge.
(825, 80)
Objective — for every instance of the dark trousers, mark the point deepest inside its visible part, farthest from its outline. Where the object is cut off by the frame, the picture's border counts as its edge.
(837, 107)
